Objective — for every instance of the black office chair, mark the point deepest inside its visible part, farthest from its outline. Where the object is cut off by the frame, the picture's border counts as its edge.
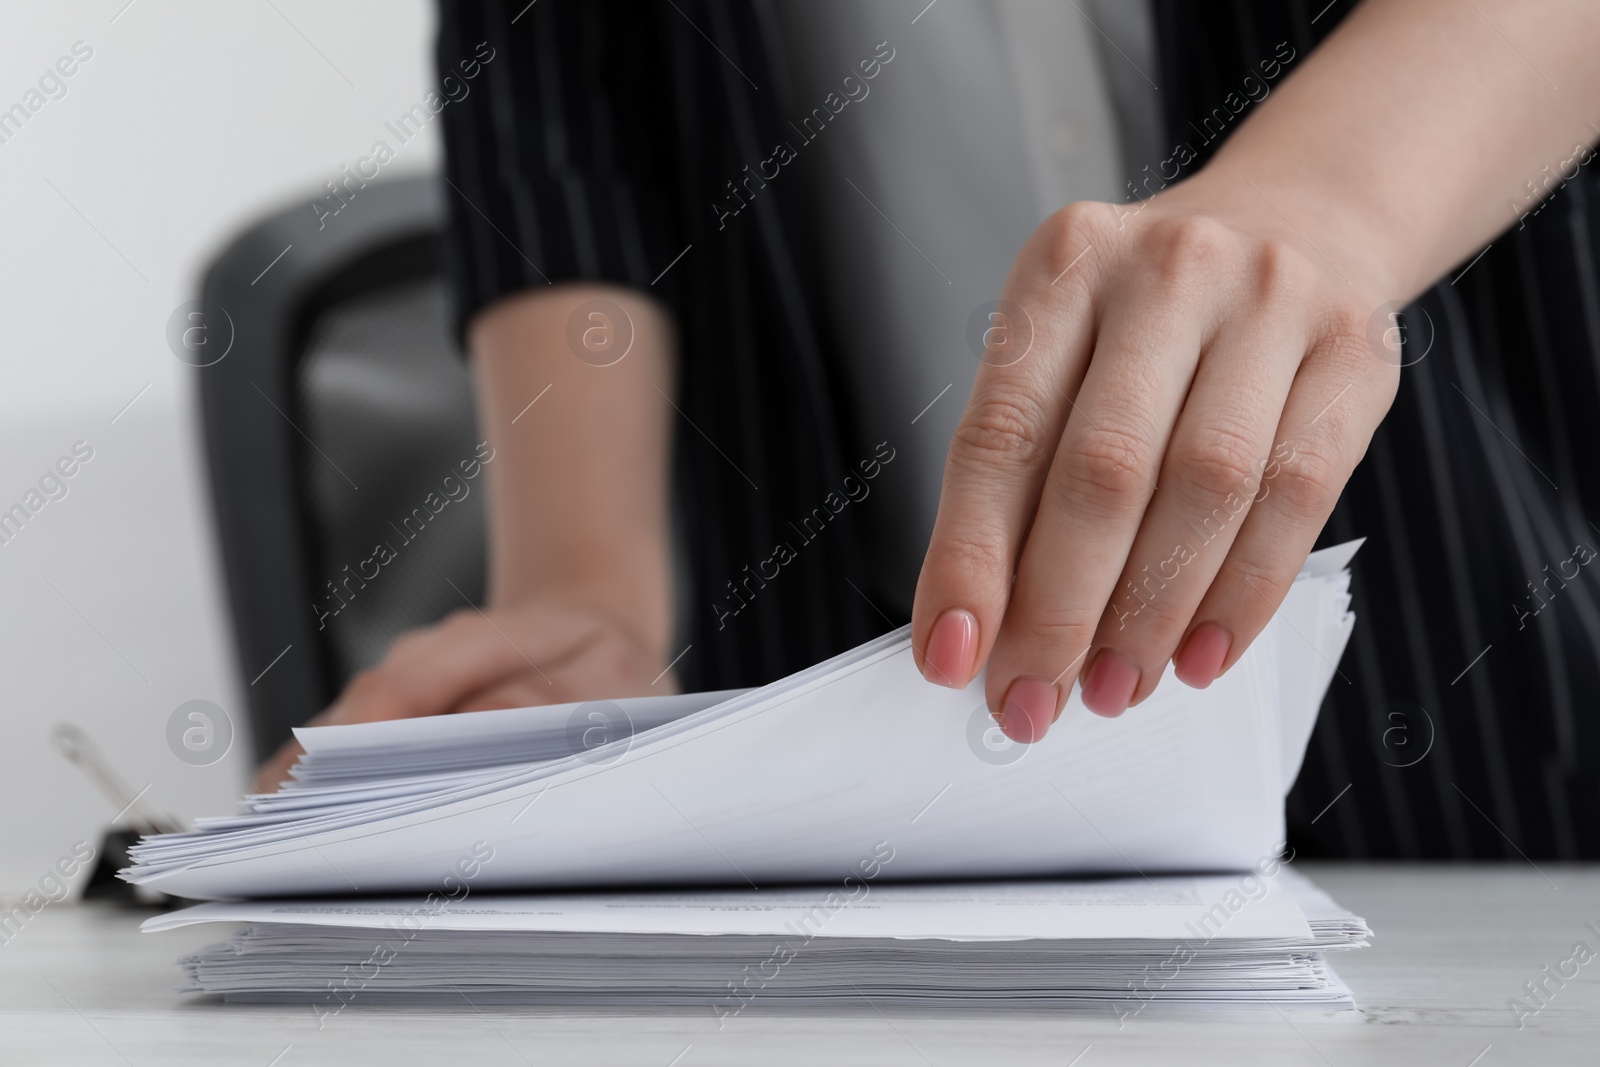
(341, 405)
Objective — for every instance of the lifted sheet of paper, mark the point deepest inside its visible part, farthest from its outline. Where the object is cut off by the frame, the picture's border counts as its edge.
(792, 782)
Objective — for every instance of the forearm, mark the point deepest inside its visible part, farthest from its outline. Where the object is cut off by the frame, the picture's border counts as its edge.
(1400, 145)
(579, 494)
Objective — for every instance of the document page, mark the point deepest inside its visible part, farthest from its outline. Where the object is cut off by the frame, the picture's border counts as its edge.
(791, 783)
(1171, 909)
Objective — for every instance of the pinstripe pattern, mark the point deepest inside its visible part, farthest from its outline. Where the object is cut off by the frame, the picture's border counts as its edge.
(606, 130)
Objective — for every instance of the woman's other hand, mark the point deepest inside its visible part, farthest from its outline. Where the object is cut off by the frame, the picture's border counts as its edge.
(479, 660)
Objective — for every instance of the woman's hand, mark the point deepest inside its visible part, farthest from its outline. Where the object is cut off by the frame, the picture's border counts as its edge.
(580, 579)
(1172, 397)
(1206, 368)
(475, 661)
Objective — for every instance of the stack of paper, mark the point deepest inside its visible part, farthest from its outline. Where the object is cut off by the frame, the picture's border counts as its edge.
(851, 775)
(1121, 942)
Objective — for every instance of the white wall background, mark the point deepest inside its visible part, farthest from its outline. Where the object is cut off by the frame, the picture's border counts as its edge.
(189, 122)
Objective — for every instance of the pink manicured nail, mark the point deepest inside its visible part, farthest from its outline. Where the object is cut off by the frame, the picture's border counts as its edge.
(1029, 708)
(1110, 683)
(952, 647)
(1200, 658)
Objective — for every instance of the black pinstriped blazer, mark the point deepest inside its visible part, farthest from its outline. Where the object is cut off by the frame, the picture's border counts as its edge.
(1466, 718)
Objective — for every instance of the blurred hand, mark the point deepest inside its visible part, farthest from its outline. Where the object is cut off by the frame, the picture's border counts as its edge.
(579, 576)
(1155, 465)
(538, 653)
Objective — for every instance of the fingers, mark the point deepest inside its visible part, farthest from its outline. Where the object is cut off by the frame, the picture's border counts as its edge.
(1333, 408)
(522, 690)
(1211, 473)
(538, 654)
(428, 672)
(272, 774)
(602, 669)
(1099, 485)
(275, 771)
(1002, 447)
(606, 664)
(1212, 366)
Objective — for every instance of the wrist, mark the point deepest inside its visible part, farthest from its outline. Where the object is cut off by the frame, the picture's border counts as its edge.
(1346, 236)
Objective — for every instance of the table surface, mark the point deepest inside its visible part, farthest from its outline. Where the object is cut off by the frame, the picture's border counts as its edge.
(1453, 944)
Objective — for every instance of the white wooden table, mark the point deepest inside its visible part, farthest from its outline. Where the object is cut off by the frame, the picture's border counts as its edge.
(79, 985)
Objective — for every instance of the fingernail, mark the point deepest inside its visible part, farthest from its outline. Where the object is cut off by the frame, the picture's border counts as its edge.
(1200, 659)
(951, 649)
(1029, 708)
(1110, 683)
